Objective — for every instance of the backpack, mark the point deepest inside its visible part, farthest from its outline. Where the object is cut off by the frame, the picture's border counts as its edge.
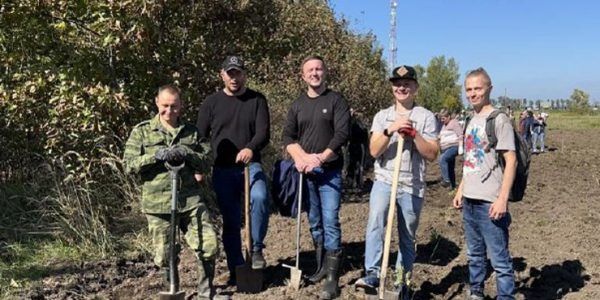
(522, 151)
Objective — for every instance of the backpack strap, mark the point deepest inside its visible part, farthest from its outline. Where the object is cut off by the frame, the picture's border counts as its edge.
(490, 129)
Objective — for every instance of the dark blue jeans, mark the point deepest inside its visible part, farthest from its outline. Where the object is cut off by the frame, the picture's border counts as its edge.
(447, 162)
(483, 236)
(324, 192)
(228, 184)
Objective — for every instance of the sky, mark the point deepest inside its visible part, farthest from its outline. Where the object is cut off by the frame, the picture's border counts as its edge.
(533, 49)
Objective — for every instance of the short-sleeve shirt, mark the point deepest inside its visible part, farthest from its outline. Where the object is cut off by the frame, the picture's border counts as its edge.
(413, 166)
(482, 176)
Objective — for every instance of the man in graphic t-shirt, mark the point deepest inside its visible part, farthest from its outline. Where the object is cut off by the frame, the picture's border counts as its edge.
(483, 192)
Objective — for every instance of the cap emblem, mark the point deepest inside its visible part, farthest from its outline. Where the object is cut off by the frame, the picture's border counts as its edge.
(402, 71)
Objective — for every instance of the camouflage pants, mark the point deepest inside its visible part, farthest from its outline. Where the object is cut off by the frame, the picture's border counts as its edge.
(199, 234)
(195, 224)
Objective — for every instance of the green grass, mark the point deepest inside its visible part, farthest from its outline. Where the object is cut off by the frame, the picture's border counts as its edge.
(572, 121)
(24, 262)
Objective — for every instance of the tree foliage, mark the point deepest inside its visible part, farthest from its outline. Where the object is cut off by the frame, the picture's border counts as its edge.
(580, 101)
(76, 75)
(439, 86)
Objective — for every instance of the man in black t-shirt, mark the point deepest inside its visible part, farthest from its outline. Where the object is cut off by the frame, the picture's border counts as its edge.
(236, 119)
(317, 126)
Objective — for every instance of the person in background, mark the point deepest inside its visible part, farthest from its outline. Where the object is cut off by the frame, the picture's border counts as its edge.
(358, 143)
(451, 139)
(537, 134)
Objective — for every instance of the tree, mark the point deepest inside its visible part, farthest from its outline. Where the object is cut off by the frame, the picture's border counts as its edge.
(580, 101)
(438, 85)
(77, 77)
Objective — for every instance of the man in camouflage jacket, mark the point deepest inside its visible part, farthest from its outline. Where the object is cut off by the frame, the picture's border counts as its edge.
(167, 138)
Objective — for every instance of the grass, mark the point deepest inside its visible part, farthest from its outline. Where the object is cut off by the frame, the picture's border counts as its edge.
(60, 218)
(24, 262)
(572, 121)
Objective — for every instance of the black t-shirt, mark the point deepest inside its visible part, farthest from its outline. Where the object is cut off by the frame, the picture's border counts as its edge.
(234, 123)
(319, 123)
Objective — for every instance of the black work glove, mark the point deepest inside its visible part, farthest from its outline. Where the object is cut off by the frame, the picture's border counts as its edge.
(178, 153)
(162, 154)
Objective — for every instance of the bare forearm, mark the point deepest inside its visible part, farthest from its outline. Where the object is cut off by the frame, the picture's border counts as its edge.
(428, 149)
(508, 176)
(295, 151)
(378, 144)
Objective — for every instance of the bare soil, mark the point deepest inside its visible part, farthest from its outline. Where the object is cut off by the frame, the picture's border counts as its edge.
(554, 243)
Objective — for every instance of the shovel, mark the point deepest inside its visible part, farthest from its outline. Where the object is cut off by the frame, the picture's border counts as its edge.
(248, 280)
(383, 293)
(174, 293)
(295, 272)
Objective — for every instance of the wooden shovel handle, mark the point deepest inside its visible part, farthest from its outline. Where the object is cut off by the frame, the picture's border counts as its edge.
(247, 234)
(390, 218)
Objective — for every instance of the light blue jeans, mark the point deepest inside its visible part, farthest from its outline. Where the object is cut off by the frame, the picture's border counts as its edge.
(537, 139)
(228, 184)
(408, 208)
(486, 236)
(447, 164)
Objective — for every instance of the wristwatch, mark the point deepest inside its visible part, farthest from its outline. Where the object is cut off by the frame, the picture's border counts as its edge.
(387, 133)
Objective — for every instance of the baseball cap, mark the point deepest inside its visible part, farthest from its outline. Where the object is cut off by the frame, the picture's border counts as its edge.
(404, 72)
(233, 62)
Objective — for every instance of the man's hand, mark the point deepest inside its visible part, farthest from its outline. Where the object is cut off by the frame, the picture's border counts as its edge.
(312, 161)
(408, 132)
(498, 209)
(199, 177)
(400, 122)
(178, 153)
(162, 154)
(244, 156)
(457, 200)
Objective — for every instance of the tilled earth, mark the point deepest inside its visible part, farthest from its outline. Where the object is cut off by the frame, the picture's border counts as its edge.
(554, 243)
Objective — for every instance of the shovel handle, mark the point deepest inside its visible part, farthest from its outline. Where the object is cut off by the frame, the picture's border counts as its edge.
(390, 217)
(299, 219)
(247, 218)
(173, 272)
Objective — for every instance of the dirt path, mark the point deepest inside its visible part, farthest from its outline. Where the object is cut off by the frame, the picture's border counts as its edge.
(554, 240)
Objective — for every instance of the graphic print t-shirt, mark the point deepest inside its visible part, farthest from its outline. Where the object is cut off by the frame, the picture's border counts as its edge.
(481, 173)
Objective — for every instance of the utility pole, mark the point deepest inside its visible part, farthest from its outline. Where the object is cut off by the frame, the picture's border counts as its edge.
(392, 45)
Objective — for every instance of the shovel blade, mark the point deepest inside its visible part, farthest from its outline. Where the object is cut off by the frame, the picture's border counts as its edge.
(171, 296)
(295, 278)
(248, 279)
(391, 295)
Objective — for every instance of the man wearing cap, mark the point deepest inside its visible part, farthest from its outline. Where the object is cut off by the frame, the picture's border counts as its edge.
(317, 125)
(237, 120)
(167, 138)
(417, 126)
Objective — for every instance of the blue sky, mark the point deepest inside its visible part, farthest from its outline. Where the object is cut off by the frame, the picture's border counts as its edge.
(533, 49)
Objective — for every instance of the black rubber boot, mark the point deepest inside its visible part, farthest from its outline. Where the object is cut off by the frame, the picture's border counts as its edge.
(333, 263)
(206, 275)
(321, 270)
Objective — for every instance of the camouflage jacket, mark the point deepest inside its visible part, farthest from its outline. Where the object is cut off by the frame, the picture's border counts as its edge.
(145, 139)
